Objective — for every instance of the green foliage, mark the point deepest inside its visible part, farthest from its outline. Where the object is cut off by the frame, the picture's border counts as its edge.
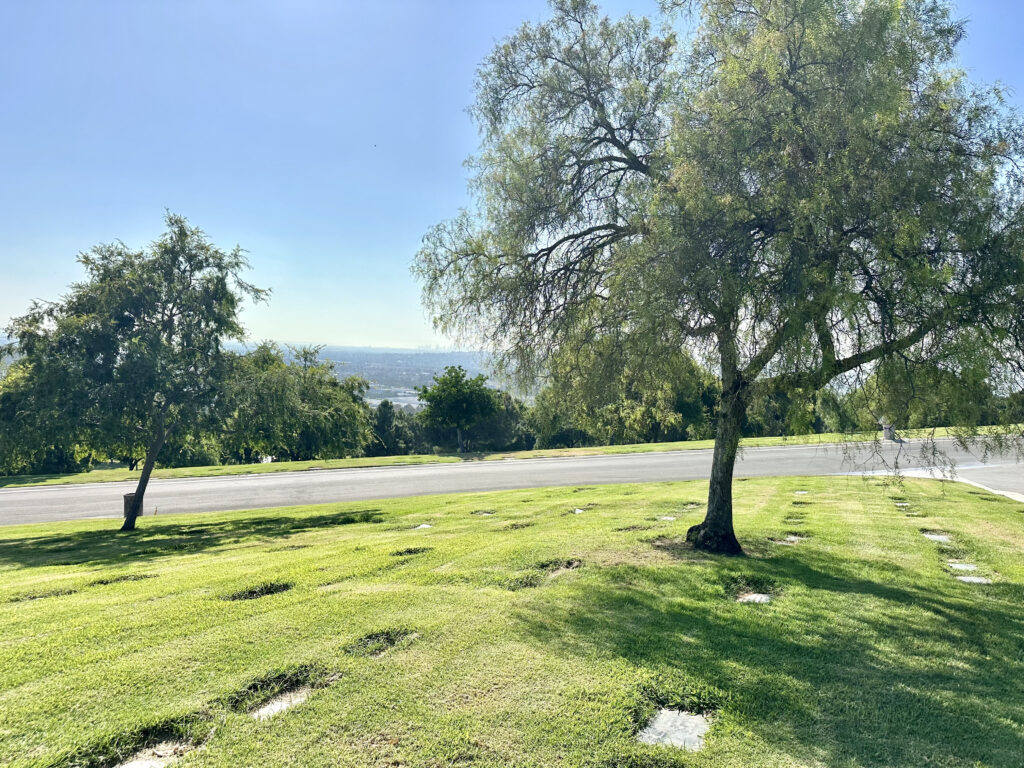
(456, 402)
(807, 190)
(133, 355)
(293, 409)
(507, 428)
(617, 393)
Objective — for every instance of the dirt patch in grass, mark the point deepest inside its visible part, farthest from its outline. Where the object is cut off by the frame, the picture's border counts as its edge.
(790, 539)
(411, 551)
(525, 580)
(152, 746)
(278, 690)
(635, 528)
(557, 567)
(484, 512)
(379, 643)
(260, 590)
(289, 548)
(58, 592)
(518, 526)
(676, 546)
(122, 578)
(739, 584)
(802, 503)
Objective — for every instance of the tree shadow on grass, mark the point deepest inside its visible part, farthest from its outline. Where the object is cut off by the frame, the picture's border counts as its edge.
(864, 673)
(153, 539)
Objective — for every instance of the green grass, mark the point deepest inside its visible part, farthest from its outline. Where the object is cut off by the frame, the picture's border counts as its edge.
(528, 637)
(116, 474)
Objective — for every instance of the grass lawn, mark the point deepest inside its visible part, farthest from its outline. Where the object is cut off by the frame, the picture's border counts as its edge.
(117, 474)
(531, 636)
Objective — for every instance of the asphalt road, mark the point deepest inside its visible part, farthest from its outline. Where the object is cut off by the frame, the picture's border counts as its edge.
(168, 496)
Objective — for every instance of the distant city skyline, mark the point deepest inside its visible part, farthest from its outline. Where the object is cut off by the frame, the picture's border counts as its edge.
(323, 137)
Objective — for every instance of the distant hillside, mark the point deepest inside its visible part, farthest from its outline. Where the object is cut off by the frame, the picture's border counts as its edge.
(394, 373)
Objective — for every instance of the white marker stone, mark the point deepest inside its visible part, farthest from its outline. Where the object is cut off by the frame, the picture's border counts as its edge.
(421, 527)
(675, 728)
(902, 504)
(793, 539)
(282, 702)
(158, 756)
(802, 493)
(669, 519)
(577, 511)
(942, 538)
(963, 566)
(974, 579)
(754, 597)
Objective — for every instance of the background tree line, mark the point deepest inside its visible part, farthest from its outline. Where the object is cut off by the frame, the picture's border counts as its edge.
(130, 366)
(286, 404)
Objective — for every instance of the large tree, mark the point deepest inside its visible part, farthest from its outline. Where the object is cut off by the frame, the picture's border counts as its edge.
(135, 352)
(804, 190)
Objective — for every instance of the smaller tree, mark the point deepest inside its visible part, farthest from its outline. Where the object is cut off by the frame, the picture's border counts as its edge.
(293, 409)
(134, 353)
(456, 402)
(392, 431)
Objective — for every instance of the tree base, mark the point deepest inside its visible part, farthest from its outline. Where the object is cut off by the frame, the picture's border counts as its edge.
(128, 525)
(713, 540)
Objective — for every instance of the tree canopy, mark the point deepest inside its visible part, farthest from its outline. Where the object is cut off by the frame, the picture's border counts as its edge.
(456, 402)
(134, 353)
(293, 409)
(801, 191)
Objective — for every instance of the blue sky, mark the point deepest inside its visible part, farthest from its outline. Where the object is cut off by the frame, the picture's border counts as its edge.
(324, 137)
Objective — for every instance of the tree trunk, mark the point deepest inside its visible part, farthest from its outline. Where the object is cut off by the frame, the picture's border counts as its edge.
(458, 431)
(716, 533)
(140, 490)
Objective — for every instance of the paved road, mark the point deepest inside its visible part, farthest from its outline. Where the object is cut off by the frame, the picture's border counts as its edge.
(68, 502)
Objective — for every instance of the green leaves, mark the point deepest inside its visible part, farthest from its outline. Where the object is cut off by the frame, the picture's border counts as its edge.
(456, 402)
(134, 352)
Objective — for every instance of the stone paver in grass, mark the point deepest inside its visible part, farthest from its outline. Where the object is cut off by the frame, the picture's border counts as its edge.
(942, 538)
(974, 579)
(801, 493)
(754, 597)
(421, 527)
(963, 566)
(157, 756)
(282, 702)
(676, 728)
(667, 518)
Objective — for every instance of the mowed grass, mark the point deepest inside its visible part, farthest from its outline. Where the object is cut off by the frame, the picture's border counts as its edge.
(119, 474)
(514, 632)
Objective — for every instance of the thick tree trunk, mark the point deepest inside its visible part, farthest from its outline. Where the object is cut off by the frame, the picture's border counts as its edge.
(458, 431)
(140, 490)
(716, 533)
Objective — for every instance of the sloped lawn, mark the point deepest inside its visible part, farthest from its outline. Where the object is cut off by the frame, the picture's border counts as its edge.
(514, 632)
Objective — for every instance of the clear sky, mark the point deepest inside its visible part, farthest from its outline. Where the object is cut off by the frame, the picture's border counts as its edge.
(323, 136)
